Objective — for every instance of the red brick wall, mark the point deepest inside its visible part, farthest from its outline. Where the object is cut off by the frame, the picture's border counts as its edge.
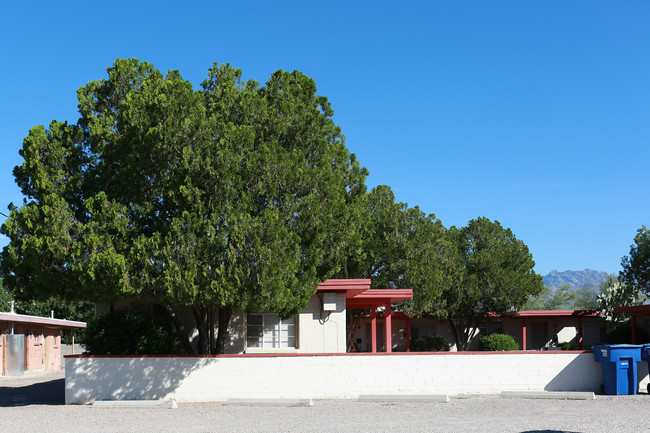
(42, 346)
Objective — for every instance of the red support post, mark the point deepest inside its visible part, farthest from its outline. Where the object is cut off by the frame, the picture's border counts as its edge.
(523, 334)
(407, 334)
(373, 330)
(389, 329)
(579, 333)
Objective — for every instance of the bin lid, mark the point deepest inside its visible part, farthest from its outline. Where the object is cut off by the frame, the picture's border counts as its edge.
(623, 346)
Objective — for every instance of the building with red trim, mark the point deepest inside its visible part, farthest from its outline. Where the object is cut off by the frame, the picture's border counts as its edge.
(640, 316)
(533, 330)
(31, 341)
(346, 315)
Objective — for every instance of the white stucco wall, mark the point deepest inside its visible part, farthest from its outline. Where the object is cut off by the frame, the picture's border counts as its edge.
(322, 331)
(325, 376)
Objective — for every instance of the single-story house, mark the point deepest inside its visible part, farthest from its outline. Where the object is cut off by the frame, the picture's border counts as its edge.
(31, 343)
(346, 315)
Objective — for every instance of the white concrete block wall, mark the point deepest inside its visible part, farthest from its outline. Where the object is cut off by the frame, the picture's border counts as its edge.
(325, 376)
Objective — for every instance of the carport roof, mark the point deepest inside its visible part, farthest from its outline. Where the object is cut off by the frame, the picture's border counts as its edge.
(37, 320)
(358, 293)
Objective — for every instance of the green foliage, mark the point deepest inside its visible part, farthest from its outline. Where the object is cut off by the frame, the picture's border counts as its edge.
(487, 270)
(636, 266)
(430, 344)
(130, 333)
(233, 196)
(566, 345)
(79, 311)
(622, 334)
(397, 244)
(498, 342)
(563, 298)
(617, 294)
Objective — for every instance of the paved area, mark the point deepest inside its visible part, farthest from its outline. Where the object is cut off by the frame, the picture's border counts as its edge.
(35, 404)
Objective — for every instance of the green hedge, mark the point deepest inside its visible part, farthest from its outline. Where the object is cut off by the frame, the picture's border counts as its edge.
(498, 342)
(430, 344)
(130, 333)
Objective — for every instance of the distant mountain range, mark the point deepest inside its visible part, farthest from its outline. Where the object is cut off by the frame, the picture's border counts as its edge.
(576, 279)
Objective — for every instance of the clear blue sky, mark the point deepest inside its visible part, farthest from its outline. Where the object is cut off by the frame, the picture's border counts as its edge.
(533, 113)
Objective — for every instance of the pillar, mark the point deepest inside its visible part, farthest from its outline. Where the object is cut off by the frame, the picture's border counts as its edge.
(373, 330)
(389, 329)
(579, 333)
(407, 334)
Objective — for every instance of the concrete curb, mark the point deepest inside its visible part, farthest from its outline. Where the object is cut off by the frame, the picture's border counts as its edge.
(406, 397)
(549, 395)
(136, 404)
(270, 401)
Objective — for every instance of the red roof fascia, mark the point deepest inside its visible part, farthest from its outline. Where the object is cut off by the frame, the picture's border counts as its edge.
(635, 310)
(375, 298)
(558, 313)
(351, 287)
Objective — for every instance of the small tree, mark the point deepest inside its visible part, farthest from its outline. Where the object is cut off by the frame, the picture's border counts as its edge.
(636, 266)
(496, 276)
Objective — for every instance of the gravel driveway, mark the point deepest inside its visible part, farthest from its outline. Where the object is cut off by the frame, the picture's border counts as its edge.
(35, 404)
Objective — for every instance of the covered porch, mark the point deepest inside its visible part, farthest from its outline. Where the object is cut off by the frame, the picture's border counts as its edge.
(359, 295)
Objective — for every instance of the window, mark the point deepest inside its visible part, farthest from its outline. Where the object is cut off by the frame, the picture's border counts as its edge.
(269, 331)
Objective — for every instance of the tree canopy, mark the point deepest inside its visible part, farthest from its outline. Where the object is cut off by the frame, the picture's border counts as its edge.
(565, 297)
(234, 196)
(489, 271)
(636, 266)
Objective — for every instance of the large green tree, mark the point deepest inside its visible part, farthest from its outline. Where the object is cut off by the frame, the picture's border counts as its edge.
(396, 243)
(234, 196)
(490, 271)
(401, 248)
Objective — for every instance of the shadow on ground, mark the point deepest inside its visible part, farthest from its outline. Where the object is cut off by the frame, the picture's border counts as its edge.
(548, 431)
(50, 392)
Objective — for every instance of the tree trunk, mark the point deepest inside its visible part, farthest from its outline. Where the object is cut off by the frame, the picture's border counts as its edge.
(201, 319)
(211, 320)
(353, 320)
(459, 335)
(180, 330)
(224, 320)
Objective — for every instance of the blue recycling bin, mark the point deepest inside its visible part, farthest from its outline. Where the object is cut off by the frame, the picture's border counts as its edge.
(619, 367)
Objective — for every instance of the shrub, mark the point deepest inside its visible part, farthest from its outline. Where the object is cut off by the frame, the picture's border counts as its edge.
(130, 333)
(430, 344)
(565, 345)
(498, 342)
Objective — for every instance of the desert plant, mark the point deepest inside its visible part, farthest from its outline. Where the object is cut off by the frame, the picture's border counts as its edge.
(430, 344)
(498, 342)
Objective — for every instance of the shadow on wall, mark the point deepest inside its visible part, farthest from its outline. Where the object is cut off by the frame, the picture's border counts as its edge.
(581, 374)
(43, 393)
(127, 378)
